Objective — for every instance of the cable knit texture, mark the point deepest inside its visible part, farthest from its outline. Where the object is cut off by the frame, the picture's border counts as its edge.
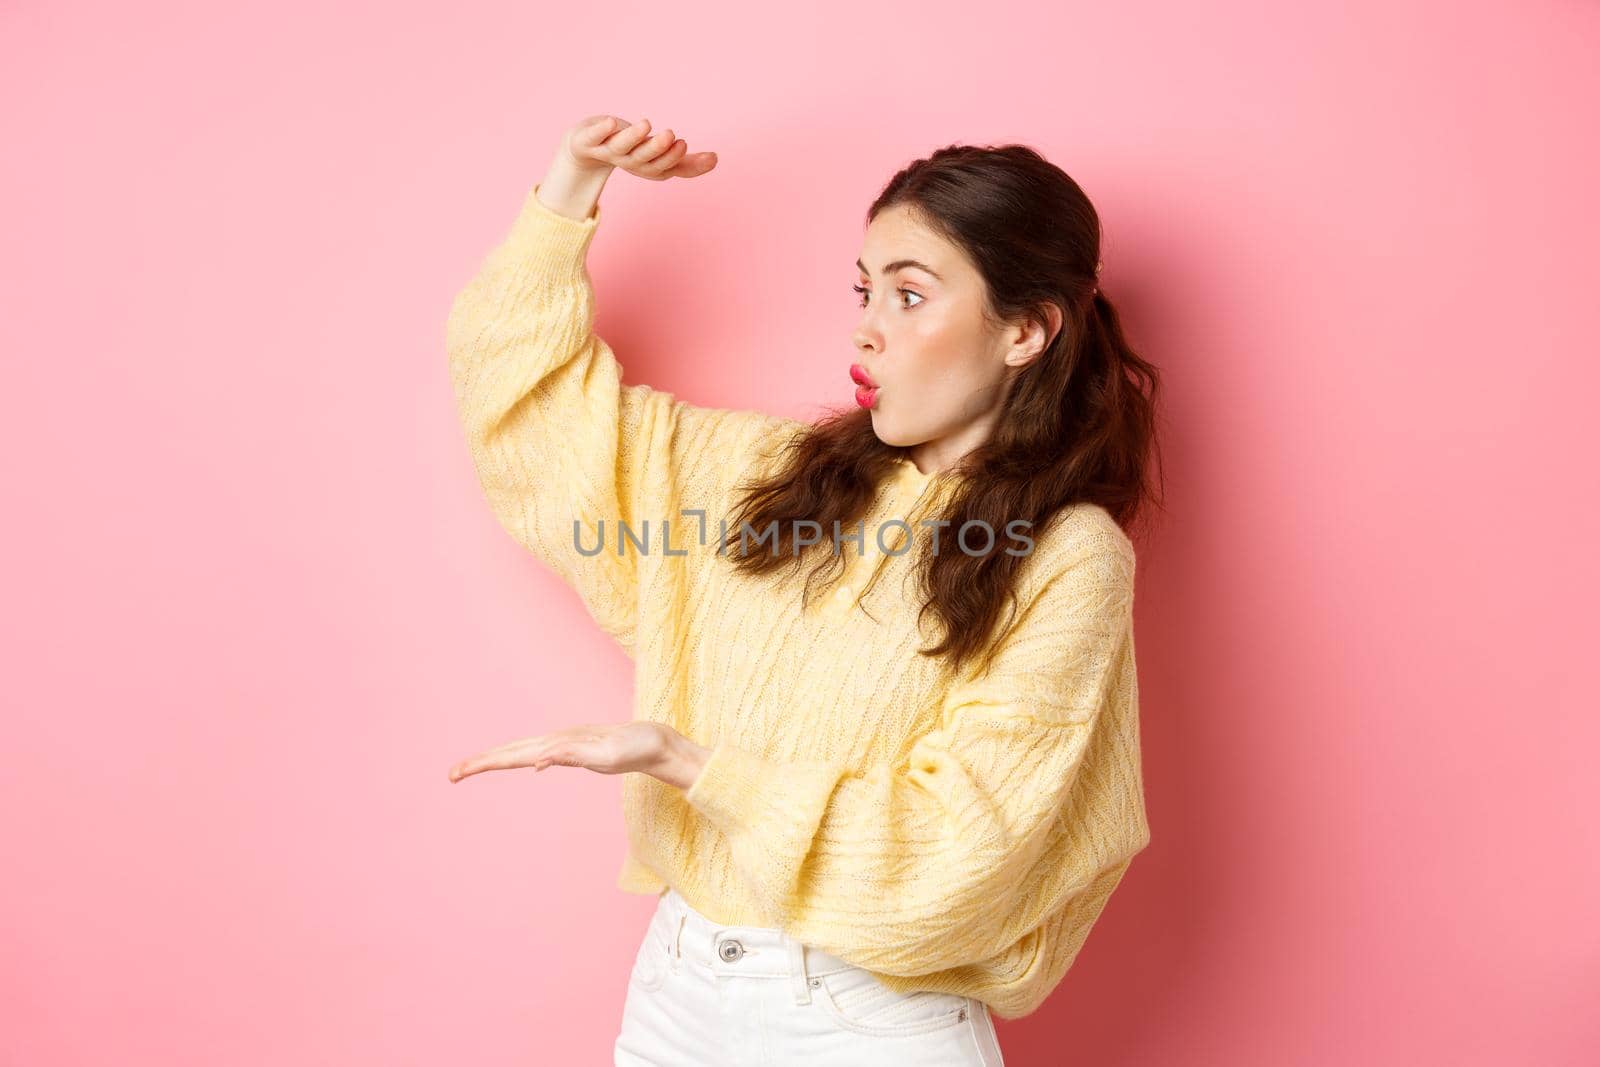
(952, 831)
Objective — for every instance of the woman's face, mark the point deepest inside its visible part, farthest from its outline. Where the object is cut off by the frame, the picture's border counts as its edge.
(939, 368)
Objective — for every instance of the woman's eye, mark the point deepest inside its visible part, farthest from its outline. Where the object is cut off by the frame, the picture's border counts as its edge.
(907, 292)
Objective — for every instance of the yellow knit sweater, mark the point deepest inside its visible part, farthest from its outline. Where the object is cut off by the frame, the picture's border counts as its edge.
(948, 832)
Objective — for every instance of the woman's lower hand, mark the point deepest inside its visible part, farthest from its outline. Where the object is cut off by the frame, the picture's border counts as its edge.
(607, 748)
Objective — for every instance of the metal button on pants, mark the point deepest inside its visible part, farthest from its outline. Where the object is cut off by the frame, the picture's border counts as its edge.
(706, 995)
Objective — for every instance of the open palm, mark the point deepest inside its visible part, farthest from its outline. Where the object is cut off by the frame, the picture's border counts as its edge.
(608, 748)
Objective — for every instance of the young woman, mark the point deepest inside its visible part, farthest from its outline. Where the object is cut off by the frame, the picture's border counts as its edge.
(863, 847)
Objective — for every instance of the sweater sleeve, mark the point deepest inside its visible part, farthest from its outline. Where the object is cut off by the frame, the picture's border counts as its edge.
(563, 449)
(921, 864)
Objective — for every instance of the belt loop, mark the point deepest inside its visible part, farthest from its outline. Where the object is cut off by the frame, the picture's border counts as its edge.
(677, 939)
(797, 971)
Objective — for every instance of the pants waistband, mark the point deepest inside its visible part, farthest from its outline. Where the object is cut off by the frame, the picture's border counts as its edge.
(746, 951)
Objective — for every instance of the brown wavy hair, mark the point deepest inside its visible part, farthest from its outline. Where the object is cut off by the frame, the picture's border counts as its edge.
(1078, 424)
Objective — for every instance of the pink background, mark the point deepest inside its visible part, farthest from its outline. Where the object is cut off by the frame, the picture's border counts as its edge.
(255, 605)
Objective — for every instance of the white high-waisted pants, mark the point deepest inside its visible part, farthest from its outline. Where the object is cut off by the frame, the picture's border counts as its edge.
(704, 995)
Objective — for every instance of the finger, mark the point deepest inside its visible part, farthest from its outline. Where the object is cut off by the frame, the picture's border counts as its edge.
(693, 165)
(628, 138)
(519, 743)
(648, 151)
(666, 160)
(515, 754)
(591, 133)
(471, 767)
(478, 764)
(510, 747)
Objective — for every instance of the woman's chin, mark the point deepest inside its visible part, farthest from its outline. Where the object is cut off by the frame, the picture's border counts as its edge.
(887, 433)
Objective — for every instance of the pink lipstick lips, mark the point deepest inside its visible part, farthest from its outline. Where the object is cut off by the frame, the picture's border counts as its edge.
(866, 388)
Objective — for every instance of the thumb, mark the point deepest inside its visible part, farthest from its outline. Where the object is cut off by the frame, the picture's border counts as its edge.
(693, 165)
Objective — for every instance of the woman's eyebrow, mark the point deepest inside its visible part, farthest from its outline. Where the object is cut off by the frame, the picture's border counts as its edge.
(890, 268)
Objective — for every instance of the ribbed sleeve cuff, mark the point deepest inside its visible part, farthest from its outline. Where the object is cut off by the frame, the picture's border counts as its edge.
(770, 811)
(740, 791)
(727, 787)
(552, 244)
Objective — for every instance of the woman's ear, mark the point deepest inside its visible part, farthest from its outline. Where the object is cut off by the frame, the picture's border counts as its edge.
(1034, 335)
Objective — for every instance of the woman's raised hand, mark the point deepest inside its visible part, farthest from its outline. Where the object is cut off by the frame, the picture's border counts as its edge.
(601, 142)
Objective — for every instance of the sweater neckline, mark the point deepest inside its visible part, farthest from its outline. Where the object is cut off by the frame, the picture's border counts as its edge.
(909, 471)
(909, 483)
